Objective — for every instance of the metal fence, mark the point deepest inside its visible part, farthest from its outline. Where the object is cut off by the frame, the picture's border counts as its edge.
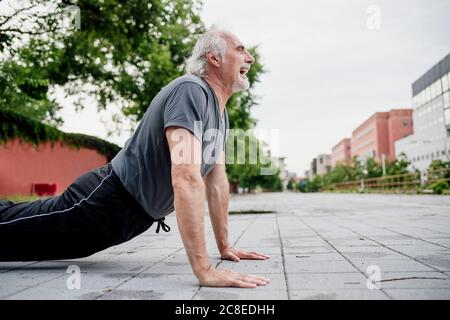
(409, 182)
(438, 175)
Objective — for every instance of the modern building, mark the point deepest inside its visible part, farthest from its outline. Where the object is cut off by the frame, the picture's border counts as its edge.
(376, 136)
(306, 175)
(319, 166)
(431, 115)
(341, 153)
(313, 169)
(323, 164)
(280, 162)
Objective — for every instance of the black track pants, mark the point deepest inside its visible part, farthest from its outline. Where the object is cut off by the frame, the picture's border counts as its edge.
(94, 213)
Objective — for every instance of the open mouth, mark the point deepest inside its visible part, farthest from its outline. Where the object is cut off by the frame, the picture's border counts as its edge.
(243, 72)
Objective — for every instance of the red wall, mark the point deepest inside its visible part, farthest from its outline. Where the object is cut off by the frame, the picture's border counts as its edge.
(382, 137)
(397, 130)
(21, 165)
(341, 152)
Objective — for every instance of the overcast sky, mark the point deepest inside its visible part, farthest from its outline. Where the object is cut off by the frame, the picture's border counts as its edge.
(327, 70)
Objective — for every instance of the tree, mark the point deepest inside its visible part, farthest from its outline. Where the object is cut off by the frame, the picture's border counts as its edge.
(291, 184)
(248, 174)
(373, 168)
(122, 53)
(399, 166)
(341, 173)
(439, 175)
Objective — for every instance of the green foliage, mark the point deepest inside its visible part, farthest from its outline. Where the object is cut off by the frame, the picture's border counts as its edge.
(124, 52)
(243, 171)
(306, 185)
(291, 184)
(439, 186)
(399, 166)
(13, 125)
(439, 164)
(439, 176)
(342, 173)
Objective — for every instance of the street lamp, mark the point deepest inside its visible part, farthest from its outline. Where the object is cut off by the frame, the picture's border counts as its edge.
(363, 173)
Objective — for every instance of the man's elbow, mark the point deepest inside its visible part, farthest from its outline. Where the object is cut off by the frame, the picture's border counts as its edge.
(186, 180)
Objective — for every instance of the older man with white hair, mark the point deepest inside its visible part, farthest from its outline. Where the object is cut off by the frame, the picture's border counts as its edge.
(174, 159)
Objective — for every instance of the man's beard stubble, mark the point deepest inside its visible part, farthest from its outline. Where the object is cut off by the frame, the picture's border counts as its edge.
(240, 85)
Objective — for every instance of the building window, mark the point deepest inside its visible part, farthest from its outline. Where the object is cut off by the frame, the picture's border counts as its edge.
(445, 82)
(405, 123)
(447, 118)
(447, 99)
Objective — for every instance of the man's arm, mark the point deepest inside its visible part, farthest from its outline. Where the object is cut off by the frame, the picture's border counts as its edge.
(217, 190)
(189, 193)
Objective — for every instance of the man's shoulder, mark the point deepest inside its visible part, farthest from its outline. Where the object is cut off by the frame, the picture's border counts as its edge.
(187, 80)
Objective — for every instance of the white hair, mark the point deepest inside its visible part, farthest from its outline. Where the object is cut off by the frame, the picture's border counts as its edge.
(211, 41)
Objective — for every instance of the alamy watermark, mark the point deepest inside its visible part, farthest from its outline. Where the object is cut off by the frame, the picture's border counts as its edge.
(241, 147)
(373, 21)
(73, 282)
(374, 277)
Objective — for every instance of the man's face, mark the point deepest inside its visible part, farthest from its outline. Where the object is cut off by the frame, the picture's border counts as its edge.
(236, 64)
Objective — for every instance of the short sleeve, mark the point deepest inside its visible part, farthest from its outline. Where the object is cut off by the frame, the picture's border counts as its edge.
(185, 107)
(227, 129)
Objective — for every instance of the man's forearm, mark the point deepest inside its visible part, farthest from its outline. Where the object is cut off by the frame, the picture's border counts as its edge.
(189, 206)
(218, 209)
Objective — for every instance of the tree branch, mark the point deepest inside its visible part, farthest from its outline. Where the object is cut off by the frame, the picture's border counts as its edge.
(14, 30)
(15, 14)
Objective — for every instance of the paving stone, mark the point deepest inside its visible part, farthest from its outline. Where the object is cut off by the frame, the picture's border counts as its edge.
(369, 252)
(326, 281)
(271, 266)
(414, 280)
(241, 294)
(323, 257)
(419, 294)
(391, 265)
(91, 286)
(304, 266)
(339, 294)
(314, 240)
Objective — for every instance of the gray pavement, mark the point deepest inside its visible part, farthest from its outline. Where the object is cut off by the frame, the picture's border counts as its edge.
(322, 246)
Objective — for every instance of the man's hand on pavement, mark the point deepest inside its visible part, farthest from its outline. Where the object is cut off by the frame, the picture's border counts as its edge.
(236, 255)
(227, 278)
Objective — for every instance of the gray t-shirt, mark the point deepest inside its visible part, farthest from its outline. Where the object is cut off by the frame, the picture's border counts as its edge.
(144, 165)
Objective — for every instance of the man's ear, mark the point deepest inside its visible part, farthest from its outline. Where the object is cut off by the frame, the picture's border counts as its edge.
(213, 59)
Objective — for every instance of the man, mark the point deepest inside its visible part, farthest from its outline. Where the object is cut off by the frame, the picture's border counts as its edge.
(172, 160)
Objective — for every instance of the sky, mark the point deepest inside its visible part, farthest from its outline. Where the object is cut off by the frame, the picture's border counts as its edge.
(330, 65)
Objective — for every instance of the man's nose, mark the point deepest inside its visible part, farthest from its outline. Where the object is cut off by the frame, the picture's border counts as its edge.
(249, 58)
